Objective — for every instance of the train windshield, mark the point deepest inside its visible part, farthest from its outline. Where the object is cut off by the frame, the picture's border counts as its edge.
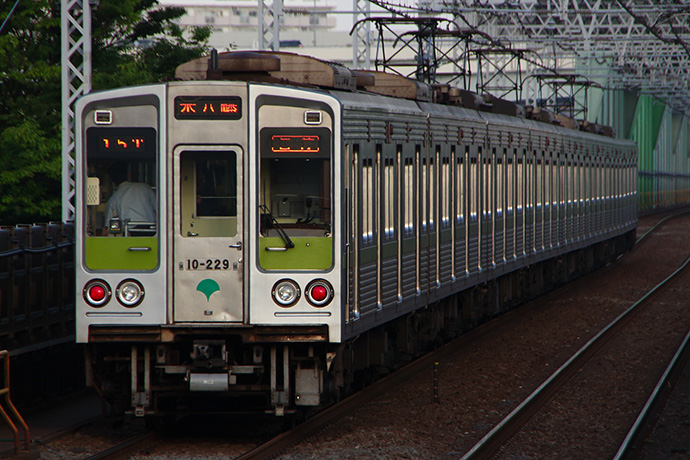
(121, 182)
(294, 189)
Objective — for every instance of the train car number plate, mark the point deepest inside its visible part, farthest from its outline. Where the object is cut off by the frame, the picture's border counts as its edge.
(208, 264)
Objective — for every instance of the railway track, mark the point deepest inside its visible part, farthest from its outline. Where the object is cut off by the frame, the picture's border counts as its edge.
(518, 421)
(285, 442)
(633, 442)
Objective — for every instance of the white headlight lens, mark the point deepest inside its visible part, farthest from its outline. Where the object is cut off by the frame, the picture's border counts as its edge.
(130, 293)
(286, 293)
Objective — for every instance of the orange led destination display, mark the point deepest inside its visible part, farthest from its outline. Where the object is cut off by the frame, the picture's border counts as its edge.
(208, 108)
(117, 143)
(107, 141)
(300, 143)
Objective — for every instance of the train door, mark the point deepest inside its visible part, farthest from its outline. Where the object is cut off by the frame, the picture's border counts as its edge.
(208, 246)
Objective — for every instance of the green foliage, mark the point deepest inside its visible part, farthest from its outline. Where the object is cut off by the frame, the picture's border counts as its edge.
(30, 181)
(134, 42)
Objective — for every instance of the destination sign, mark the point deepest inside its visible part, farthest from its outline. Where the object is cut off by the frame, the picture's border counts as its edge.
(106, 141)
(208, 108)
(284, 143)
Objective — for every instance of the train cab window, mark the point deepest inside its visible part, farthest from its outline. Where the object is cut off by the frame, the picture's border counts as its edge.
(121, 182)
(294, 196)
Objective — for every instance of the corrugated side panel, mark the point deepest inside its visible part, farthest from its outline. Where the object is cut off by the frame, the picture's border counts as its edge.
(609, 220)
(487, 254)
(562, 225)
(355, 126)
(510, 237)
(389, 281)
(499, 248)
(581, 223)
(569, 222)
(367, 288)
(446, 268)
(539, 230)
(473, 255)
(519, 235)
(409, 281)
(548, 229)
(424, 270)
(433, 275)
(529, 238)
(460, 256)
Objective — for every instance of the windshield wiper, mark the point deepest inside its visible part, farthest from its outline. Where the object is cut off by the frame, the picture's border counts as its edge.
(281, 232)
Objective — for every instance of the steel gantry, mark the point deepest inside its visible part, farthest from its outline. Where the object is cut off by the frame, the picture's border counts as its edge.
(75, 16)
(623, 63)
(269, 16)
(643, 45)
(361, 36)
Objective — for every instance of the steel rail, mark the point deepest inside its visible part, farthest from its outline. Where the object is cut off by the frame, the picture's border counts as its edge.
(126, 448)
(660, 223)
(507, 428)
(656, 400)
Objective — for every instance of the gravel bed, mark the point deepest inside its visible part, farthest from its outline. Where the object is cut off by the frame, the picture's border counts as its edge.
(591, 416)
(483, 384)
(670, 436)
(88, 440)
(206, 438)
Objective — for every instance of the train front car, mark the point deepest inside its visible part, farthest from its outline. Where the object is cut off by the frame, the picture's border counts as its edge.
(226, 295)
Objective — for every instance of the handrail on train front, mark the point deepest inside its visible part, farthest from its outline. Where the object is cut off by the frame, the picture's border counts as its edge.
(8, 406)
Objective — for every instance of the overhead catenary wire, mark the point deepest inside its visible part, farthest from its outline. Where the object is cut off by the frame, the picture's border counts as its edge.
(9, 15)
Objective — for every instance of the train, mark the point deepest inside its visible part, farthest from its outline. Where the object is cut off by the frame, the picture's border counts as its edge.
(315, 227)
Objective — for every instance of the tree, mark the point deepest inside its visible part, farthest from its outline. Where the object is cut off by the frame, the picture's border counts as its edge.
(134, 42)
(132, 47)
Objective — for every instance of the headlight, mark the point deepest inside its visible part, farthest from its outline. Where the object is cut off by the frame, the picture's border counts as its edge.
(97, 293)
(285, 293)
(130, 293)
(319, 293)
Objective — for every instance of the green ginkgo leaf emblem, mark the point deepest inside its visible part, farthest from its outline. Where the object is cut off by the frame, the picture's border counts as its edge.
(208, 287)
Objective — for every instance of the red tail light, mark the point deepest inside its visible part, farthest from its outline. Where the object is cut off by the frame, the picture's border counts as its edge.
(319, 293)
(97, 293)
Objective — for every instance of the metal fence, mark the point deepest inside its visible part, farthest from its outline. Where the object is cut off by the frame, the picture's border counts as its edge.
(36, 286)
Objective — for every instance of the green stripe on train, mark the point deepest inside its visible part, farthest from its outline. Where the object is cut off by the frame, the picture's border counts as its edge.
(113, 253)
(308, 254)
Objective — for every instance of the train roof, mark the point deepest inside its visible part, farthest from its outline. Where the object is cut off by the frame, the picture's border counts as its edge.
(362, 86)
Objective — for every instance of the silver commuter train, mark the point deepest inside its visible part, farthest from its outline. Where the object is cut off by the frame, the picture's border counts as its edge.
(306, 219)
